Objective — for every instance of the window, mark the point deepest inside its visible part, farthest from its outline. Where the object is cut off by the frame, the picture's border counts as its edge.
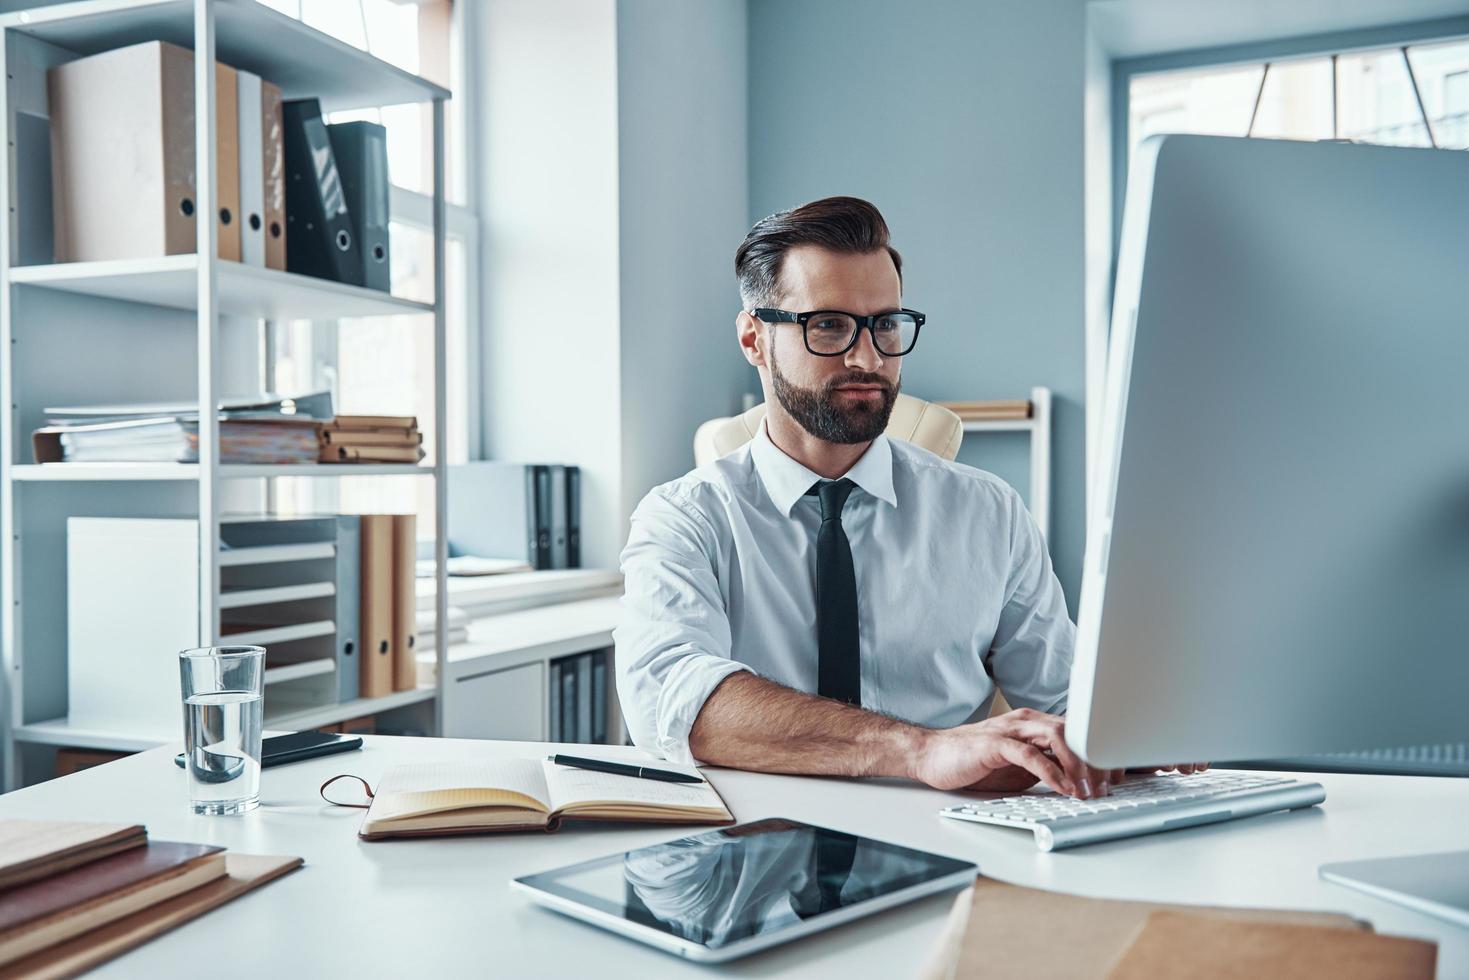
(1368, 96)
(385, 365)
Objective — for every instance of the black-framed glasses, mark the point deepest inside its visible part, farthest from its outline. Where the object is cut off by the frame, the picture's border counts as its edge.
(831, 333)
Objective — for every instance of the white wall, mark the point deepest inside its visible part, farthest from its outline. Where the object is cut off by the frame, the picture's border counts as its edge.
(548, 202)
(612, 198)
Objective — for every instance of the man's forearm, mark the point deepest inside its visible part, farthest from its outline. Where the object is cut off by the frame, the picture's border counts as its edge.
(748, 722)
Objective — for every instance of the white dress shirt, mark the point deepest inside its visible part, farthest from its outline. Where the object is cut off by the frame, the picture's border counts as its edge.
(955, 590)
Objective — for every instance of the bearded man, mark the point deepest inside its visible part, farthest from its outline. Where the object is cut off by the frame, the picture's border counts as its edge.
(829, 601)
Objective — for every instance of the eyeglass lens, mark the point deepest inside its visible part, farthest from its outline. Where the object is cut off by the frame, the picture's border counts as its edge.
(831, 333)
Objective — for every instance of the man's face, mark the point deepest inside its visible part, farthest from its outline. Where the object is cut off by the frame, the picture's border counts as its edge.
(842, 399)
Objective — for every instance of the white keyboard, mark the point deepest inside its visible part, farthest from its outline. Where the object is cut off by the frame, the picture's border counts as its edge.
(1141, 805)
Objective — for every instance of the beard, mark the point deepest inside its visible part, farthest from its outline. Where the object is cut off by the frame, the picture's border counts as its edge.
(817, 411)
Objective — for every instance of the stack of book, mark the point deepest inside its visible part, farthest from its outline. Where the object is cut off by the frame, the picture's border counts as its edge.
(371, 439)
(990, 411)
(73, 895)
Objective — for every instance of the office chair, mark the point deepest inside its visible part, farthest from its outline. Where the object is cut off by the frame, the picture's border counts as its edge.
(914, 420)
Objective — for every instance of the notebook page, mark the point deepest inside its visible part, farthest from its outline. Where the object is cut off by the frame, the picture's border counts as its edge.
(436, 787)
(569, 787)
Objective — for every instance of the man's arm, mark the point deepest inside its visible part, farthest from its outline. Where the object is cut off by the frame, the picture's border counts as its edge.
(748, 722)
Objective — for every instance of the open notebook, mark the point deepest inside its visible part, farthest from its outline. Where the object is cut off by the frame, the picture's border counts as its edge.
(526, 794)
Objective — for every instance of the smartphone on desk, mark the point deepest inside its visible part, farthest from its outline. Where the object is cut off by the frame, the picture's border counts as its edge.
(281, 749)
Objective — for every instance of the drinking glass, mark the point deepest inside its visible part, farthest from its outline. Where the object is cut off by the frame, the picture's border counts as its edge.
(223, 691)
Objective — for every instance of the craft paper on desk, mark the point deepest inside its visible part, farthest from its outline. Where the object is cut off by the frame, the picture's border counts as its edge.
(1180, 944)
(1017, 927)
(526, 794)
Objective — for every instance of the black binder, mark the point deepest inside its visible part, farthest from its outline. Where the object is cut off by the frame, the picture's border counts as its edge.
(543, 497)
(501, 510)
(361, 150)
(573, 517)
(320, 239)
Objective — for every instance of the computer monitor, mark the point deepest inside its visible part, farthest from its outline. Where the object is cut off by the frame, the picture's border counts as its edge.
(1277, 558)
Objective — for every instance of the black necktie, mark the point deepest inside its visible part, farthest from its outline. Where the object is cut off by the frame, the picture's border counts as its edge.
(839, 674)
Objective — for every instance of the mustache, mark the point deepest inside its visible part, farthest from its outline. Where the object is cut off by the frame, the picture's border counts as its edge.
(858, 378)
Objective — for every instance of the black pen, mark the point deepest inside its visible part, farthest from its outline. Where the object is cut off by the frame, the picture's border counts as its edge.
(623, 769)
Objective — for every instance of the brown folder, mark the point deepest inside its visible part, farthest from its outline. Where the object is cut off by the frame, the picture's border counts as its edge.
(272, 137)
(227, 161)
(122, 155)
(377, 606)
(31, 849)
(243, 872)
(405, 601)
(59, 908)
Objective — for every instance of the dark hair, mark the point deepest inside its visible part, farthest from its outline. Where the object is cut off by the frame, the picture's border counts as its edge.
(839, 224)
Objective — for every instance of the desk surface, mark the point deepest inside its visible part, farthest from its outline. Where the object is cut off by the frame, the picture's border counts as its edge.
(443, 907)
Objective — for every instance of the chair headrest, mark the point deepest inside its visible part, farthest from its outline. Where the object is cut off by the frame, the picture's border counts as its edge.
(914, 420)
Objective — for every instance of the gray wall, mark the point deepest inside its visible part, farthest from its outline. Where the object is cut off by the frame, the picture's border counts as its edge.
(963, 122)
(684, 208)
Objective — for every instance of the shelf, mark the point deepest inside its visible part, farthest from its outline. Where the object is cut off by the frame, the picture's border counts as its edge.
(61, 732)
(58, 472)
(271, 554)
(330, 714)
(242, 598)
(303, 61)
(485, 594)
(266, 635)
(295, 672)
(999, 425)
(241, 290)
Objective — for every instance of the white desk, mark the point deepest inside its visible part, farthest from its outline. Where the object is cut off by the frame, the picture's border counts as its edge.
(442, 908)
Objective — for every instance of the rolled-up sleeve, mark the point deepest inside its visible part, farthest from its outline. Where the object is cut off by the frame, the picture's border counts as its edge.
(673, 640)
(1030, 658)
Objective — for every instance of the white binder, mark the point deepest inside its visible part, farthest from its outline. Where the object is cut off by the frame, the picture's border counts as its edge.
(252, 170)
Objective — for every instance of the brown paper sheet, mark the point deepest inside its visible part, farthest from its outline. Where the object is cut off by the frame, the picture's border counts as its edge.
(1181, 944)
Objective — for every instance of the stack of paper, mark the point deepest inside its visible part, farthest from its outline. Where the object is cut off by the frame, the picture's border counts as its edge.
(62, 883)
(371, 439)
(252, 429)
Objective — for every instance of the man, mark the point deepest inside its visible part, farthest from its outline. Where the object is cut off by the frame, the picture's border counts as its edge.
(828, 601)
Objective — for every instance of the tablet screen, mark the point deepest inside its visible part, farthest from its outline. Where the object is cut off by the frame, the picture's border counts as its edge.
(722, 886)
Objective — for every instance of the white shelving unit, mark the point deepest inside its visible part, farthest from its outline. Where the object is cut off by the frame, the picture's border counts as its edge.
(1039, 428)
(122, 336)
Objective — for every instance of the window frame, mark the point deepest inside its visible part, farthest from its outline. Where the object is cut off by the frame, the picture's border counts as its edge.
(1282, 49)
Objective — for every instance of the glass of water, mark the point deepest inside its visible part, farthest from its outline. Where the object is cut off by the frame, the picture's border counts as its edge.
(223, 700)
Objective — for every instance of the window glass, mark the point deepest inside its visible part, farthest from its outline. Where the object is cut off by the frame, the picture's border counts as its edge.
(1443, 78)
(1375, 102)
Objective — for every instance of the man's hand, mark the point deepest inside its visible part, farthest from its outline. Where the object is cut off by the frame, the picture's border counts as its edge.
(1009, 752)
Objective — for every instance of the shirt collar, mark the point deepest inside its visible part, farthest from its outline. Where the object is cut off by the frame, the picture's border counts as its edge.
(787, 480)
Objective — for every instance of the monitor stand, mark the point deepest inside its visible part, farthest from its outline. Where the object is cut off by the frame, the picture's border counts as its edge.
(1435, 884)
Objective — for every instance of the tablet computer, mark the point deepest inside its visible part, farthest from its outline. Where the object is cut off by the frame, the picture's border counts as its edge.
(726, 893)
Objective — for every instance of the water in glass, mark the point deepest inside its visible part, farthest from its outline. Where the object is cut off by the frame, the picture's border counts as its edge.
(222, 733)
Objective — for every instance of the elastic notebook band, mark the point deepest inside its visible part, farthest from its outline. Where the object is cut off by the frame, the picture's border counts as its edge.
(366, 788)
